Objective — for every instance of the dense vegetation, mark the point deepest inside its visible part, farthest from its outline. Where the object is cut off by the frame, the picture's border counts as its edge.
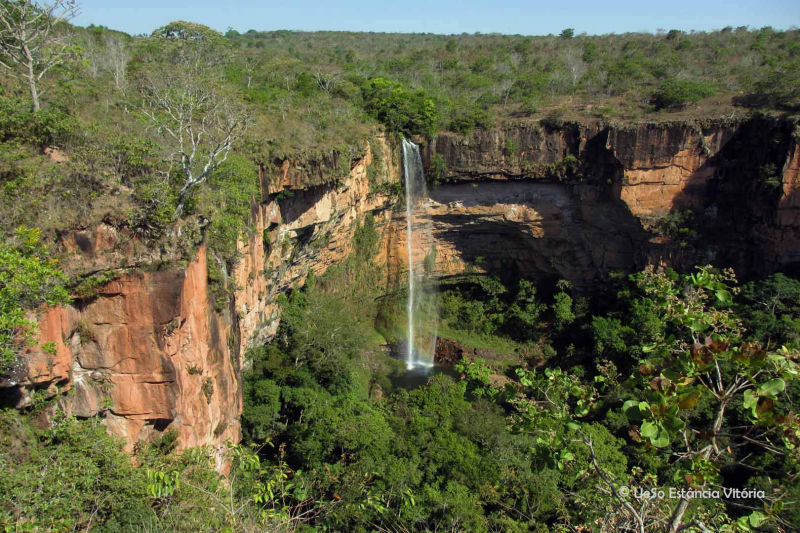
(665, 380)
(599, 394)
(477, 80)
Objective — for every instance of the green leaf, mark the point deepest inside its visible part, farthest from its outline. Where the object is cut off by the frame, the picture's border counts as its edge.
(662, 439)
(648, 430)
(772, 387)
(673, 423)
(750, 401)
(632, 410)
(656, 433)
(723, 296)
(756, 518)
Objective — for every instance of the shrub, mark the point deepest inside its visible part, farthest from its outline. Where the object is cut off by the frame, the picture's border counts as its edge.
(676, 93)
(437, 170)
(28, 279)
(469, 119)
(67, 478)
(41, 128)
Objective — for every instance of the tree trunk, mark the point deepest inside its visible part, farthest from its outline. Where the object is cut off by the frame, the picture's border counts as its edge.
(32, 81)
(34, 96)
(677, 516)
(181, 201)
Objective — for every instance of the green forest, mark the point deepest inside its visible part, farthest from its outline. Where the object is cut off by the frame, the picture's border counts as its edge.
(578, 400)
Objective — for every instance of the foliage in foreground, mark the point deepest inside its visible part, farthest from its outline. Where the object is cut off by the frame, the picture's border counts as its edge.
(73, 476)
(28, 279)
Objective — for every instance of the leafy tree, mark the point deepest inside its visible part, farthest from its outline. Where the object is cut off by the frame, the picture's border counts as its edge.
(469, 117)
(28, 279)
(525, 311)
(705, 360)
(610, 335)
(31, 44)
(781, 87)
(567, 33)
(562, 307)
(189, 32)
(770, 310)
(676, 93)
(398, 108)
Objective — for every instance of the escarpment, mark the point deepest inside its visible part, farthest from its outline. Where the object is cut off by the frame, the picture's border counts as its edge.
(151, 346)
(578, 201)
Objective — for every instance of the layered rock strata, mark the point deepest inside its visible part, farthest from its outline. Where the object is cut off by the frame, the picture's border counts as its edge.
(148, 351)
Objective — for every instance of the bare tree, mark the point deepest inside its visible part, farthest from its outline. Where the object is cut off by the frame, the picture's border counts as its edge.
(116, 58)
(199, 122)
(252, 62)
(30, 45)
(326, 82)
(573, 59)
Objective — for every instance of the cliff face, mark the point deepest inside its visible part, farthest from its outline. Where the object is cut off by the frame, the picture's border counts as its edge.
(308, 230)
(579, 200)
(146, 354)
(149, 352)
(520, 228)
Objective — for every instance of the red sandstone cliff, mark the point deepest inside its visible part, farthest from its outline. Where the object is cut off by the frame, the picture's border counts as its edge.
(148, 352)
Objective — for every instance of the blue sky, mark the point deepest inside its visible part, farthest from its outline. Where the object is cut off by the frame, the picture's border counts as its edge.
(532, 17)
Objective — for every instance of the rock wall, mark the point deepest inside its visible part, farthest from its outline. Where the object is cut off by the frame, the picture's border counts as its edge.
(308, 230)
(519, 228)
(146, 354)
(580, 200)
(147, 351)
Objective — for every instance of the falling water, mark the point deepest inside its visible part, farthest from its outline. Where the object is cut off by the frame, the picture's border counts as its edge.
(421, 307)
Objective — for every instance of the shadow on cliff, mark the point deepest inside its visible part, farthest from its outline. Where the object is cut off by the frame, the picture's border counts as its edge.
(735, 211)
(577, 233)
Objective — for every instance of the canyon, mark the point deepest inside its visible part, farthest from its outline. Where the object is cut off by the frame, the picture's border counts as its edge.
(151, 351)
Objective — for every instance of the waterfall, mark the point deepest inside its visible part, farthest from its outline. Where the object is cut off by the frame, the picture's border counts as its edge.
(422, 304)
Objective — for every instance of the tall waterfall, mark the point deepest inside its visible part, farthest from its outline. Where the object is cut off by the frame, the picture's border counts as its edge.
(422, 304)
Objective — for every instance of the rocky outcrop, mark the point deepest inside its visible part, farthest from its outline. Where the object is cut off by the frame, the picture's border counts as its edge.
(785, 241)
(147, 355)
(308, 230)
(604, 197)
(519, 228)
(143, 346)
